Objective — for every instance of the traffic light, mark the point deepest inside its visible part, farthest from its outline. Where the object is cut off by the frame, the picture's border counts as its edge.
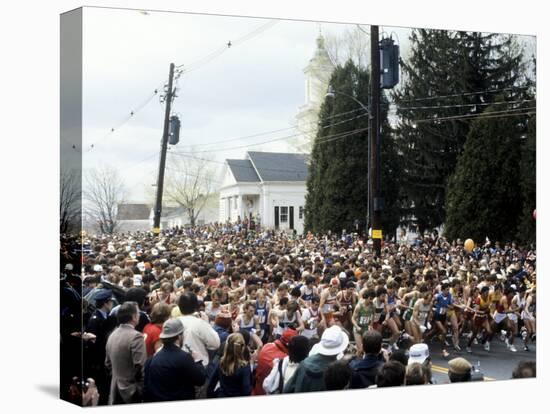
(174, 130)
(389, 63)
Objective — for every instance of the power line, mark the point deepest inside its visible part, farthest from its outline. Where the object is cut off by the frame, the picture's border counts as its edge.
(193, 175)
(132, 114)
(481, 115)
(462, 105)
(330, 138)
(272, 140)
(462, 94)
(222, 49)
(276, 130)
(279, 130)
(233, 166)
(361, 109)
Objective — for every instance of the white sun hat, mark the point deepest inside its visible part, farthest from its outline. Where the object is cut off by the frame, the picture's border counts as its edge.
(333, 342)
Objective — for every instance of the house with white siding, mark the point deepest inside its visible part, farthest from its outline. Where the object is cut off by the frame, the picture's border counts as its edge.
(268, 187)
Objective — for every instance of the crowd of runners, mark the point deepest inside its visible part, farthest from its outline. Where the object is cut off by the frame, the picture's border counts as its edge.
(225, 310)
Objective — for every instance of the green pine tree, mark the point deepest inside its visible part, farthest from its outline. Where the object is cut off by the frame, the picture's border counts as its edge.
(528, 182)
(448, 74)
(484, 194)
(337, 186)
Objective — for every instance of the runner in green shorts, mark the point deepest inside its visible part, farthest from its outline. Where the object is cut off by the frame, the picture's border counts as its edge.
(362, 318)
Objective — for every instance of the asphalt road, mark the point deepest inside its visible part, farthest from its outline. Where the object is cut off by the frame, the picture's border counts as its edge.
(498, 364)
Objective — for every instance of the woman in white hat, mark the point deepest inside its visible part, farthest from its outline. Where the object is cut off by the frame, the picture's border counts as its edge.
(309, 376)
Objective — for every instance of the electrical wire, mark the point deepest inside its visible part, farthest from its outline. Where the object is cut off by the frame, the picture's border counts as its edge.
(330, 138)
(132, 115)
(233, 166)
(222, 49)
(461, 94)
(298, 134)
(462, 105)
(272, 140)
(275, 130)
(480, 115)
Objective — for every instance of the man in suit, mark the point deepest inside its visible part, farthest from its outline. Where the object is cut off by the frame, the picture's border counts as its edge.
(125, 357)
(172, 374)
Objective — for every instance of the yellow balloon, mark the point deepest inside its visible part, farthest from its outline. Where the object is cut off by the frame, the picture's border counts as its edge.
(469, 245)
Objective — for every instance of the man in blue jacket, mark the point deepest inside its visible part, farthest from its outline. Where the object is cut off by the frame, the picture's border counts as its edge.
(366, 369)
(172, 374)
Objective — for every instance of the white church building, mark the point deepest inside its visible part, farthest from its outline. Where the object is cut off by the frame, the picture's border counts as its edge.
(271, 187)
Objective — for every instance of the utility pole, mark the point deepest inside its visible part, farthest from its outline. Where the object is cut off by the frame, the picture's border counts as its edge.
(163, 148)
(375, 142)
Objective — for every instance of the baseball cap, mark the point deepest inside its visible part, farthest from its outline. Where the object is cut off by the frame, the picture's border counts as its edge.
(287, 335)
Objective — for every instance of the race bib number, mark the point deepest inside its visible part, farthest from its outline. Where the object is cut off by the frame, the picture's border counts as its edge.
(442, 311)
(363, 320)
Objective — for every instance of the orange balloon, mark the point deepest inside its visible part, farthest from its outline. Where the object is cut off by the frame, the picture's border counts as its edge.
(469, 245)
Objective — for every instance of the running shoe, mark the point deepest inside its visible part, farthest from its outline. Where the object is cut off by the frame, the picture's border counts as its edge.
(487, 346)
(445, 354)
(475, 342)
(469, 349)
(512, 348)
(395, 347)
(457, 348)
(525, 348)
(523, 334)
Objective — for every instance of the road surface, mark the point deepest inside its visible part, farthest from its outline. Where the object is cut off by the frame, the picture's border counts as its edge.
(498, 364)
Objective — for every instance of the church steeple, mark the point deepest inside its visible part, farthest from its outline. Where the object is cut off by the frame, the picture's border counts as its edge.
(317, 74)
(320, 41)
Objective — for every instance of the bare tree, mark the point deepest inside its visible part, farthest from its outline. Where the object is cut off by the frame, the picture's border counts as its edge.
(353, 44)
(189, 184)
(70, 204)
(103, 192)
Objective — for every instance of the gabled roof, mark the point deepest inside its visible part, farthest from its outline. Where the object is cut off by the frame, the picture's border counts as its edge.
(133, 212)
(279, 166)
(172, 211)
(243, 171)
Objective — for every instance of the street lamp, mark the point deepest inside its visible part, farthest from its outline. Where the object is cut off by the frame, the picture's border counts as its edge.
(331, 93)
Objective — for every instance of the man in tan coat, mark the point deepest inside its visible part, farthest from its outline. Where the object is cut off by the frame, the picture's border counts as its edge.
(125, 357)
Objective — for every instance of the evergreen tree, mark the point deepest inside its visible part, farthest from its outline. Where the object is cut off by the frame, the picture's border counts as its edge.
(448, 74)
(528, 182)
(337, 186)
(484, 194)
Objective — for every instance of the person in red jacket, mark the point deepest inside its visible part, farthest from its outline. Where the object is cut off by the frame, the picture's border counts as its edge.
(271, 351)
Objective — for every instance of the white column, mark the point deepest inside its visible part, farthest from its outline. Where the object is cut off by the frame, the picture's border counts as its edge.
(266, 213)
